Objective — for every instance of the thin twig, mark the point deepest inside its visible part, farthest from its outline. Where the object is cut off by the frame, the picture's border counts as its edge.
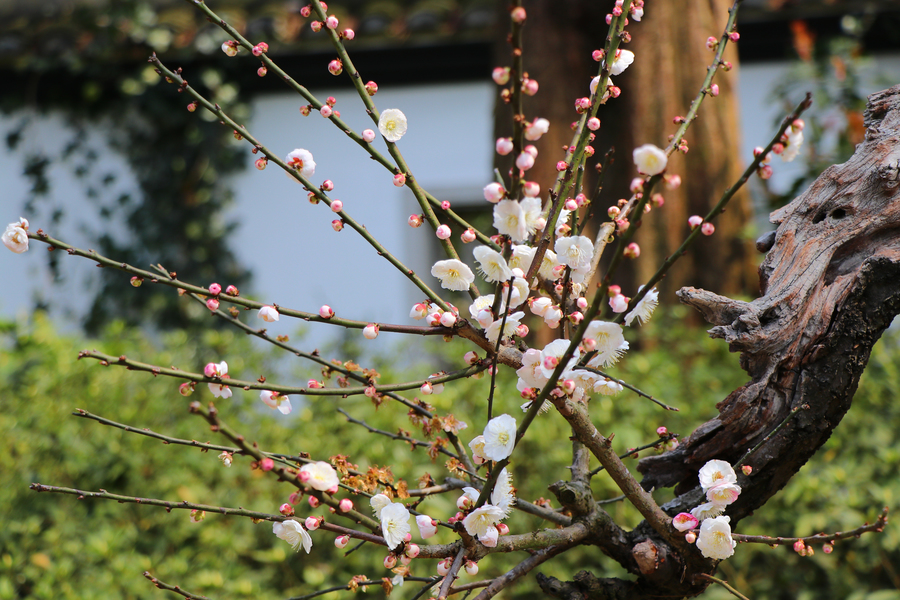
(172, 588)
(395, 436)
(450, 577)
(630, 387)
(724, 584)
(877, 526)
(632, 451)
(522, 568)
(781, 425)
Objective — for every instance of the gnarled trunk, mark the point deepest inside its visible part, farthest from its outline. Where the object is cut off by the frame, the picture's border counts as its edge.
(831, 286)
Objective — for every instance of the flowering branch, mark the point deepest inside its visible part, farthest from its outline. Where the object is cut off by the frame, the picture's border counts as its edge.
(630, 387)
(523, 568)
(172, 588)
(523, 505)
(828, 538)
(633, 451)
(450, 577)
(308, 186)
(132, 365)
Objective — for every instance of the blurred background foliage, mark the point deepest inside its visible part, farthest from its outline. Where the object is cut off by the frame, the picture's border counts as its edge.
(56, 546)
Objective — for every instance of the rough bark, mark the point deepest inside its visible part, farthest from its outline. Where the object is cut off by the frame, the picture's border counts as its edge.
(831, 286)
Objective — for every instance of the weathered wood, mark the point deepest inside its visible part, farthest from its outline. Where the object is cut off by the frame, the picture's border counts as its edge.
(831, 286)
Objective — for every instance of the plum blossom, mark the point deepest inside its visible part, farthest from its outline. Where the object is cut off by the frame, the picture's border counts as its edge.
(575, 251)
(392, 124)
(792, 148)
(609, 343)
(293, 533)
(521, 256)
(499, 437)
(716, 472)
(715, 539)
(531, 207)
(509, 328)
(274, 400)
(530, 372)
(494, 192)
(607, 387)
(378, 502)
(301, 160)
(491, 264)
(723, 494)
(553, 353)
(535, 129)
(490, 537)
(548, 266)
(649, 159)
(623, 60)
(454, 274)
(269, 314)
(477, 447)
(509, 219)
(644, 308)
(16, 236)
(502, 497)
(394, 524)
(220, 371)
(480, 520)
(707, 511)
(319, 476)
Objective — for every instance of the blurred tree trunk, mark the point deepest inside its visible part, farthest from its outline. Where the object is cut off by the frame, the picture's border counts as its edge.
(670, 64)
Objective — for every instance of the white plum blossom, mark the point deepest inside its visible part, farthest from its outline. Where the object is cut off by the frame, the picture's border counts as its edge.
(394, 524)
(794, 141)
(481, 303)
(455, 275)
(320, 476)
(707, 511)
(301, 160)
(491, 264)
(378, 502)
(540, 305)
(477, 447)
(392, 124)
(520, 289)
(490, 537)
(502, 497)
(269, 314)
(723, 494)
(219, 390)
(16, 236)
(274, 400)
(293, 533)
(644, 308)
(548, 266)
(609, 343)
(531, 207)
(575, 251)
(521, 256)
(623, 60)
(650, 159)
(553, 353)
(530, 372)
(607, 387)
(509, 219)
(509, 328)
(499, 437)
(716, 472)
(715, 539)
(535, 129)
(480, 520)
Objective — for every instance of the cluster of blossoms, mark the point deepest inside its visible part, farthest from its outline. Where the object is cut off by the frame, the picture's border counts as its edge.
(719, 482)
(788, 148)
(16, 236)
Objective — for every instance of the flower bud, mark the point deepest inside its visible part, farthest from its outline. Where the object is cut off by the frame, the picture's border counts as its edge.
(468, 236)
(426, 389)
(370, 331)
(368, 135)
(747, 469)
(336, 67)
(269, 314)
(504, 146)
(262, 71)
(331, 22)
(443, 567)
(230, 48)
(316, 26)
(371, 88)
(494, 192)
(400, 179)
(212, 304)
(345, 505)
(632, 250)
(707, 229)
(415, 221)
(470, 357)
(313, 502)
(471, 567)
(500, 75)
(337, 206)
(261, 163)
(448, 319)
(348, 34)
(443, 232)
(326, 111)
(186, 388)
(337, 225)
(341, 541)
(503, 529)
(412, 550)
(287, 510)
(690, 537)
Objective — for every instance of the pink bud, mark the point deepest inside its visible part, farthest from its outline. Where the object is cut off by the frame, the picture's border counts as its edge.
(690, 537)
(443, 567)
(371, 392)
(313, 502)
(336, 67)
(230, 48)
(632, 250)
(471, 567)
(714, 89)
(312, 523)
(305, 11)
(712, 43)
(799, 546)
(286, 509)
(368, 135)
(326, 312)
(463, 502)
(415, 221)
(331, 22)
(212, 304)
(412, 550)
(400, 179)
(371, 88)
(827, 548)
(525, 161)
(568, 386)
(348, 34)
(532, 150)
(186, 388)
(531, 189)
(261, 163)
(734, 36)
(262, 71)
(407, 537)
(500, 75)
(747, 469)
(570, 202)
(672, 181)
(337, 225)
(314, 385)
(304, 110)
(598, 55)
(346, 505)
(494, 192)
(798, 125)
(443, 232)
(530, 87)
(337, 206)
(370, 331)
(582, 105)
(468, 235)
(503, 529)
(269, 314)
(518, 15)
(707, 229)
(522, 330)
(657, 200)
(341, 541)
(137, 281)
(504, 146)
(764, 171)
(593, 123)
(695, 221)
(448, 319)
(662, 431)
(426, 389)
(295, 497)
(326, 111)
(316, 26)
(613, 212)
(619, 303)
(267, 464)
